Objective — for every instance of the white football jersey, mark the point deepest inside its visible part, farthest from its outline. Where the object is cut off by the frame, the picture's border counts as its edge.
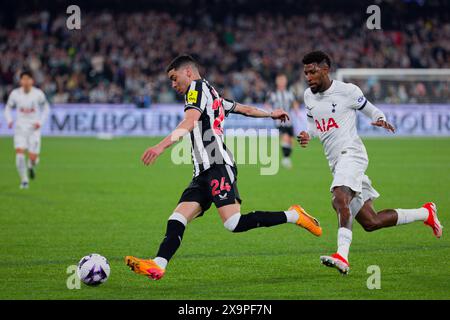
(31, 107)
(332, 117)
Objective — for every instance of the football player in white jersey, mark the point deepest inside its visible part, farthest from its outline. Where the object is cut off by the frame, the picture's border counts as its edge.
(32, 110)
(331, 111)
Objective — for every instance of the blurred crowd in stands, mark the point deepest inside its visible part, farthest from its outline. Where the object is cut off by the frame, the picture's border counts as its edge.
(121, 57)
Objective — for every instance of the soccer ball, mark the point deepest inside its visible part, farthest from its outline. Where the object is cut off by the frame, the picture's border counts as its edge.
(93, 269)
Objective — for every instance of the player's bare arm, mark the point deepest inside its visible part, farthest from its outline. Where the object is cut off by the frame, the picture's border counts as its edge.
(186, 125)
(249, 111)
(384, 124)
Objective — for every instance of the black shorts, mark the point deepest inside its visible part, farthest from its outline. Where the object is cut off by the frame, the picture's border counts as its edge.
(289, 130)
(218, 184)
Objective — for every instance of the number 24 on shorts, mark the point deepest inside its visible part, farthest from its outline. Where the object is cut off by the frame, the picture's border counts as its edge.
(223, 186)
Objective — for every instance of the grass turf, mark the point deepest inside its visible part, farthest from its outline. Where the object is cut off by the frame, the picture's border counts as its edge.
(95, 196)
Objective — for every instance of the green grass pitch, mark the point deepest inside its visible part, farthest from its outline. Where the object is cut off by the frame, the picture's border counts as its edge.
(95, 196)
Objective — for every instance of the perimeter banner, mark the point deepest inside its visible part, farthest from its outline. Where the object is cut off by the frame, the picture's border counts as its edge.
(126, 120)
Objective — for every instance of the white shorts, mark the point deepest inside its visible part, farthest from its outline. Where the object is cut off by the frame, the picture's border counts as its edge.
(28, 139)
(349, 171)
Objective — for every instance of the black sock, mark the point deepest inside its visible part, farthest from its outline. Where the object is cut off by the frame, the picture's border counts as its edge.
(258, 219)
(172, 240)
(286, 151)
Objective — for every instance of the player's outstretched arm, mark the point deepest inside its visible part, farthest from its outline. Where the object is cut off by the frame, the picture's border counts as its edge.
(377, 116)
(384, 124)
(359, 102)
(191, 116)
(255, 112)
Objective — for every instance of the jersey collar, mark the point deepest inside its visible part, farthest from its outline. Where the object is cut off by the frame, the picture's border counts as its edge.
(22, 90)
(189, 87)
(329, 90)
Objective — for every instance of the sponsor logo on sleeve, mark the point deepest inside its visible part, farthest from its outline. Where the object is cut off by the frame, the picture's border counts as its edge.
(192, 96)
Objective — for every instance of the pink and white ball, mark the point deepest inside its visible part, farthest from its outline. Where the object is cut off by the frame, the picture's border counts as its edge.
(93, 269)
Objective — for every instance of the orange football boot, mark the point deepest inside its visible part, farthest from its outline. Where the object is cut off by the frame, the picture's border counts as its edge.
(307, 221)
(146, 267)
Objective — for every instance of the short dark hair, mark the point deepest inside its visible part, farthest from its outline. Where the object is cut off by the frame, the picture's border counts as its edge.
(180, 61)
(26, 73)
(317, 57)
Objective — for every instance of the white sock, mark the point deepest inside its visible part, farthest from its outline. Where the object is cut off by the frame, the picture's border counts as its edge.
(161, 262)
(410, 215)
(21, 167)
(344, 241)
(291, 216)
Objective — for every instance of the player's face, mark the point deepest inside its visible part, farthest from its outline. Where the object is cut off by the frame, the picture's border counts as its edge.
(180, 79)
(281, 82)
(315, 76)
(26, 82)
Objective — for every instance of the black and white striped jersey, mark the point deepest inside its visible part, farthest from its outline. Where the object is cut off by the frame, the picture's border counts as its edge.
(208, 147)
(283, 100)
